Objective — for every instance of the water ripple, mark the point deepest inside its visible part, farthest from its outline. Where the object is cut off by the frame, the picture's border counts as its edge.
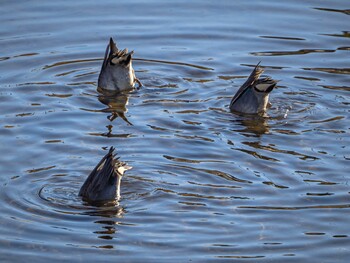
(207, 184)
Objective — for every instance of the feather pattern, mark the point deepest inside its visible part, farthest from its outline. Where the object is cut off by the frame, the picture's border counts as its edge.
(117, 73)
(103, 183)
(252, 97)
(253, 77)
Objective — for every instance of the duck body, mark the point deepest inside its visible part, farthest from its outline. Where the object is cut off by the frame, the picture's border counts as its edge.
(253, 95)
(103, 183)
(117, 73)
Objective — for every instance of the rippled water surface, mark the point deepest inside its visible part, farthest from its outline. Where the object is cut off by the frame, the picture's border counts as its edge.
(207, 185)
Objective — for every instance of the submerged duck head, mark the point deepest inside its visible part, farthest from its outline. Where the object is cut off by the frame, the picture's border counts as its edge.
(103, 183)
(253, 96)
(116, 72)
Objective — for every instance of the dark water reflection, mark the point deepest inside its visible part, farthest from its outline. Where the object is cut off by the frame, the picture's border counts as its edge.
(207, 185)
(116, 105)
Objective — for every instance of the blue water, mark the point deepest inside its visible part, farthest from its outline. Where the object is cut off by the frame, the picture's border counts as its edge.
(207, 185)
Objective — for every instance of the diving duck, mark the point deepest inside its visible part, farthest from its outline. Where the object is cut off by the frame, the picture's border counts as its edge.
(103, 183)
(253, 96)
(117, 73)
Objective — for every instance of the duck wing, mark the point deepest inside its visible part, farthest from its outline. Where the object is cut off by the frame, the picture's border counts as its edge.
(254, 76)
(101, 176)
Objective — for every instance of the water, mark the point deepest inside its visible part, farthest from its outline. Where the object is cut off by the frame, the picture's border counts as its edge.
(207, 185)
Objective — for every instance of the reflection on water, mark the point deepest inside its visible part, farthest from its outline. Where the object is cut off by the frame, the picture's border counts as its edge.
(345, 11)
(289, 53)
(116, 104)
(253, 125)
(207, 184)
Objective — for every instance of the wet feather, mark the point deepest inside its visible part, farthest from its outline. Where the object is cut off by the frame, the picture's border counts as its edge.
(252, 97)
(103, 183)
(117, 73)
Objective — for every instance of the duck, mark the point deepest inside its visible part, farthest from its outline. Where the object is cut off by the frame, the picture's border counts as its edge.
(253, 96)
(117, 73)
(104, 181)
